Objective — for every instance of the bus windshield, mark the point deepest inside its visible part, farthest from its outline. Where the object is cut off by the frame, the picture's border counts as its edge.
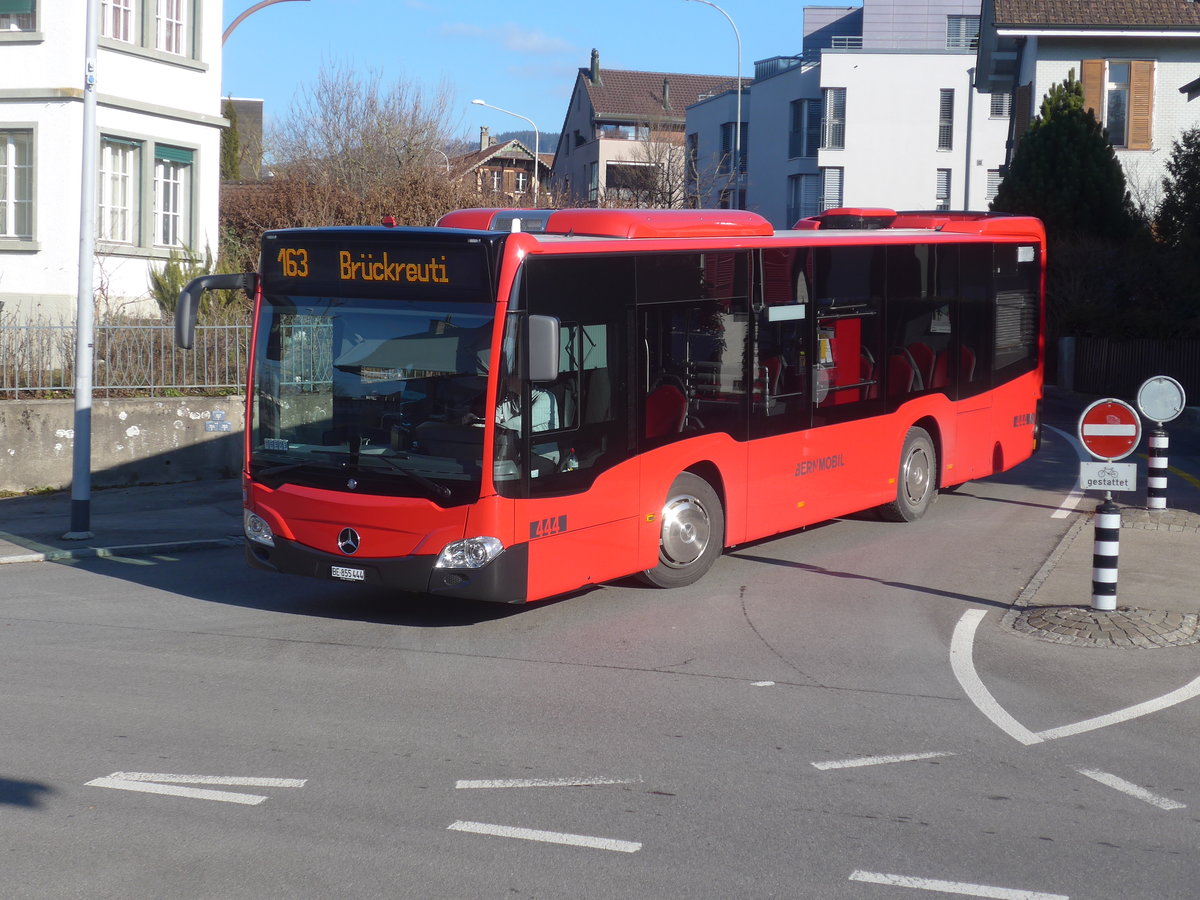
(378, 396)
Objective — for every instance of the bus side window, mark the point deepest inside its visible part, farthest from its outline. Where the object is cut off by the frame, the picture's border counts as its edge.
(975, 325)
(781, 353)
(849, 365)
(919, 334)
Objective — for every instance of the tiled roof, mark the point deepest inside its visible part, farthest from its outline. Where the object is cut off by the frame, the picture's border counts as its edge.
(640, 94)
(1131, 14)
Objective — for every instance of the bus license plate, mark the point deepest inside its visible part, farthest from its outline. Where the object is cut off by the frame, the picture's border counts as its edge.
(347, 574)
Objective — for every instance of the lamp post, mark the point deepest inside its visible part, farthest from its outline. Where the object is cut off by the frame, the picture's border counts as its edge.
(737, 128)
(537, 159)
(255, 8)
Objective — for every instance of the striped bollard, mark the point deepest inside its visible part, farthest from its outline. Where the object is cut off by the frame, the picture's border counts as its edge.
(1156, 476)
(1104, 557)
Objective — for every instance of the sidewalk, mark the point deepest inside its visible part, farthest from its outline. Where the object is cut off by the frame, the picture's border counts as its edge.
(133, 521)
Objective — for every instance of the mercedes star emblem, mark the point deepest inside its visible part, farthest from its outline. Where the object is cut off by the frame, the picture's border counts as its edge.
(348, 541)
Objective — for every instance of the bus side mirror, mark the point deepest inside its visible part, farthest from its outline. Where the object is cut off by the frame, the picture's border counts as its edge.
(189, 301)
(543, 348)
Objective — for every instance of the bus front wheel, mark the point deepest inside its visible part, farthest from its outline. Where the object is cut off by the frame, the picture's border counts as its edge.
(691, 534)
(916, 482)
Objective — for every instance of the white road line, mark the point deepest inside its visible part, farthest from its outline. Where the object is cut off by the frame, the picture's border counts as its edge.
(1133, 790)
(170, 785)
(549, 837)
(1072, 500)
(876, 760)
(953, 887)
(964, 671)
(543, 782)
(1187, 692)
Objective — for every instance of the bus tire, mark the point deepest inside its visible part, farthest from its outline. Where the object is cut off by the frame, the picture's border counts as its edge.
(916, 482)
(691, 533)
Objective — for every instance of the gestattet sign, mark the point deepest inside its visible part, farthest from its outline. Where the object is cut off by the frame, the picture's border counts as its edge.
(1110, 429)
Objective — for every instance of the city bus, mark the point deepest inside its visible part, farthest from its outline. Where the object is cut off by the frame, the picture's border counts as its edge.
(518, 404)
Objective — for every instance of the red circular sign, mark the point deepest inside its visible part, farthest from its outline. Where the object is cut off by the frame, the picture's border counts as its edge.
(1110, 429)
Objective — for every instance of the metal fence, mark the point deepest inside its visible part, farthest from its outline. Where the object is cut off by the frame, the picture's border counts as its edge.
(1117, 367)
(129, 359)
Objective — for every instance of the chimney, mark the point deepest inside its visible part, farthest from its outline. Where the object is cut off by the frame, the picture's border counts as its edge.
(485, 137)
(667, 94)
(596, 66)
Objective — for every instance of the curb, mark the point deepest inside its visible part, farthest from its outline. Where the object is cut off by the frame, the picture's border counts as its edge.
(121, 551)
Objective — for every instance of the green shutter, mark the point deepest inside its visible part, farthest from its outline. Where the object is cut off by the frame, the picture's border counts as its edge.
(16, 7)
(173, 154)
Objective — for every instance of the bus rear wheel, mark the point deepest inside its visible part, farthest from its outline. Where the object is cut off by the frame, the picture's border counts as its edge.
(691, 535)
(916, 483)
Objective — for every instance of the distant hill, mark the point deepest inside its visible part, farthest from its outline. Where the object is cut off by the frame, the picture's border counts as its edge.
(549, 140)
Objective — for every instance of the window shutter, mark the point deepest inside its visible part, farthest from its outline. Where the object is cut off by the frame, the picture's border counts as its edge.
(173, 154)
(16, 7)
(1141, 103)
(1093, 86)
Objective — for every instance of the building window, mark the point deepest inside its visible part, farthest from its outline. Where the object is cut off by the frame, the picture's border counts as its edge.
(172, 196)
(164, 26)
(493, 180)
(593, 182)
(18, 15)
(833, 119)
(116, 20)
(522, 181)
(727, 148)
(171, 26)
(1121, 95)
(831, 188)
(946, 119)
(804, 131)
(118, 188)
(993, 185)
(962, 32)
(1001, 105)
(943, 189)
(804, 197)
(16, 184)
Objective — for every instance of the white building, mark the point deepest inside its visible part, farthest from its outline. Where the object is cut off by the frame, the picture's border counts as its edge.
(158, 77)
(1138, 61)
(877, 110)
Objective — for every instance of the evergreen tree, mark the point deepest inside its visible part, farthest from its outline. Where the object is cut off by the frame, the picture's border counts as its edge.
(1178, 218)
(231, 150)
(1064, 171)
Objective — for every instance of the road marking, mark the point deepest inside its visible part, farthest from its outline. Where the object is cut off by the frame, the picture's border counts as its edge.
(876, 760)
(543, 782)
(953, 887)
(763, 684)
(964, 671)
(1073, 499)
(548, 837)
(1187, 692)
(170, 785)
(1133, 790)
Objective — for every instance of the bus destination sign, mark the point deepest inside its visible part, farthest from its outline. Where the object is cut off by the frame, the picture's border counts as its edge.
(327, 266)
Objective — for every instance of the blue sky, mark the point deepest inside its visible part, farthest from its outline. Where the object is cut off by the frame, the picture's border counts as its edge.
(525, 64)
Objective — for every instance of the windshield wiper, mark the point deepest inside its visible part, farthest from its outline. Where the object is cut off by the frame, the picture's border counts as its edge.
(428, 483)
(289, 467)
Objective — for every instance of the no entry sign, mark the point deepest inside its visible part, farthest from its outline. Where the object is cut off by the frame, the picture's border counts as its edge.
(1110, 429)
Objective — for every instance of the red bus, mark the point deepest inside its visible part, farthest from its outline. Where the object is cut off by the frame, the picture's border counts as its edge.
(520, 403)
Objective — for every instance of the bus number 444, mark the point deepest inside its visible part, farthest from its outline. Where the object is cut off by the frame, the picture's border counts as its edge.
(546, 527)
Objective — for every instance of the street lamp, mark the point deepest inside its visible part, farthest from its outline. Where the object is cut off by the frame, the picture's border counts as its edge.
(537, 159)
(255, 8)
(737, 128)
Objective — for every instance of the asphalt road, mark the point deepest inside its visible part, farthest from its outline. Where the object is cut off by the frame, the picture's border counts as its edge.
(796, 725)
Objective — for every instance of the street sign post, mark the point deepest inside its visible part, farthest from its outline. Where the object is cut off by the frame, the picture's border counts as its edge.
(1110, 429)
(1161, 399)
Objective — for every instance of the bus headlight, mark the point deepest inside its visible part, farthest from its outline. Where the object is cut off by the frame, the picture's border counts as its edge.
(473, 553)
(257, 529)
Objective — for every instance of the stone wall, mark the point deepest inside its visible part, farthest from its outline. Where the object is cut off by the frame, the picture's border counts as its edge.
(134, 441)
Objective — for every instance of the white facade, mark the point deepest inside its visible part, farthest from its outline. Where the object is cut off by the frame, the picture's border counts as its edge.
(1047, 61)
(879, 110)
(898, 151)
(158, 76)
